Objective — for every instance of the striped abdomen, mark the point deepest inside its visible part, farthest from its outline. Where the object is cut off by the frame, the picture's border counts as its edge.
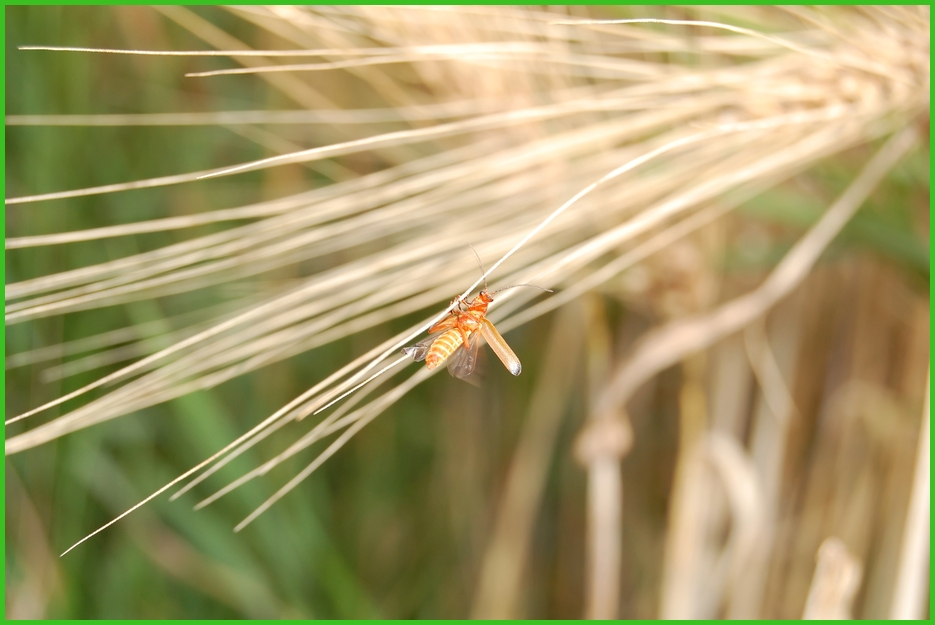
(443, 347)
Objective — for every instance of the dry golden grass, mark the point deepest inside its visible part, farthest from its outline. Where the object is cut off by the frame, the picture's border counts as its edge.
(602, 159)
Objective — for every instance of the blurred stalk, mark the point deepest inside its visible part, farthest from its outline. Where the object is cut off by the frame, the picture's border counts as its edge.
(606, 439)
(30, 590)
(836, 580)
(668, 345)
(692, 503)
(913, 573)
(603, 442)
(772, 418)
(507, 555)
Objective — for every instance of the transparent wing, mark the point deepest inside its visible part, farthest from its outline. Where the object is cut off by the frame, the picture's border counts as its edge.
(461, 363)
(420, 350)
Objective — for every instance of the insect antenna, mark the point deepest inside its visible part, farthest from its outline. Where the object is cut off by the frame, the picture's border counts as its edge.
(481, 263)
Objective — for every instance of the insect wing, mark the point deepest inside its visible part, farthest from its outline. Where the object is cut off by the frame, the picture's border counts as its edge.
(420, 350)
(500, 347)
(461, 364)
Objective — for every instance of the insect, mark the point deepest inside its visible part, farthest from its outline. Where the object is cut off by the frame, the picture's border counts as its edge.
(455, 338)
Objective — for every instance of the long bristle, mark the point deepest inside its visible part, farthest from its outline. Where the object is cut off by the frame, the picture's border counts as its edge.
(658, 169)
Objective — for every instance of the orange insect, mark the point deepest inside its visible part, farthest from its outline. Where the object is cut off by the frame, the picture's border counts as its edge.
(459, 330)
